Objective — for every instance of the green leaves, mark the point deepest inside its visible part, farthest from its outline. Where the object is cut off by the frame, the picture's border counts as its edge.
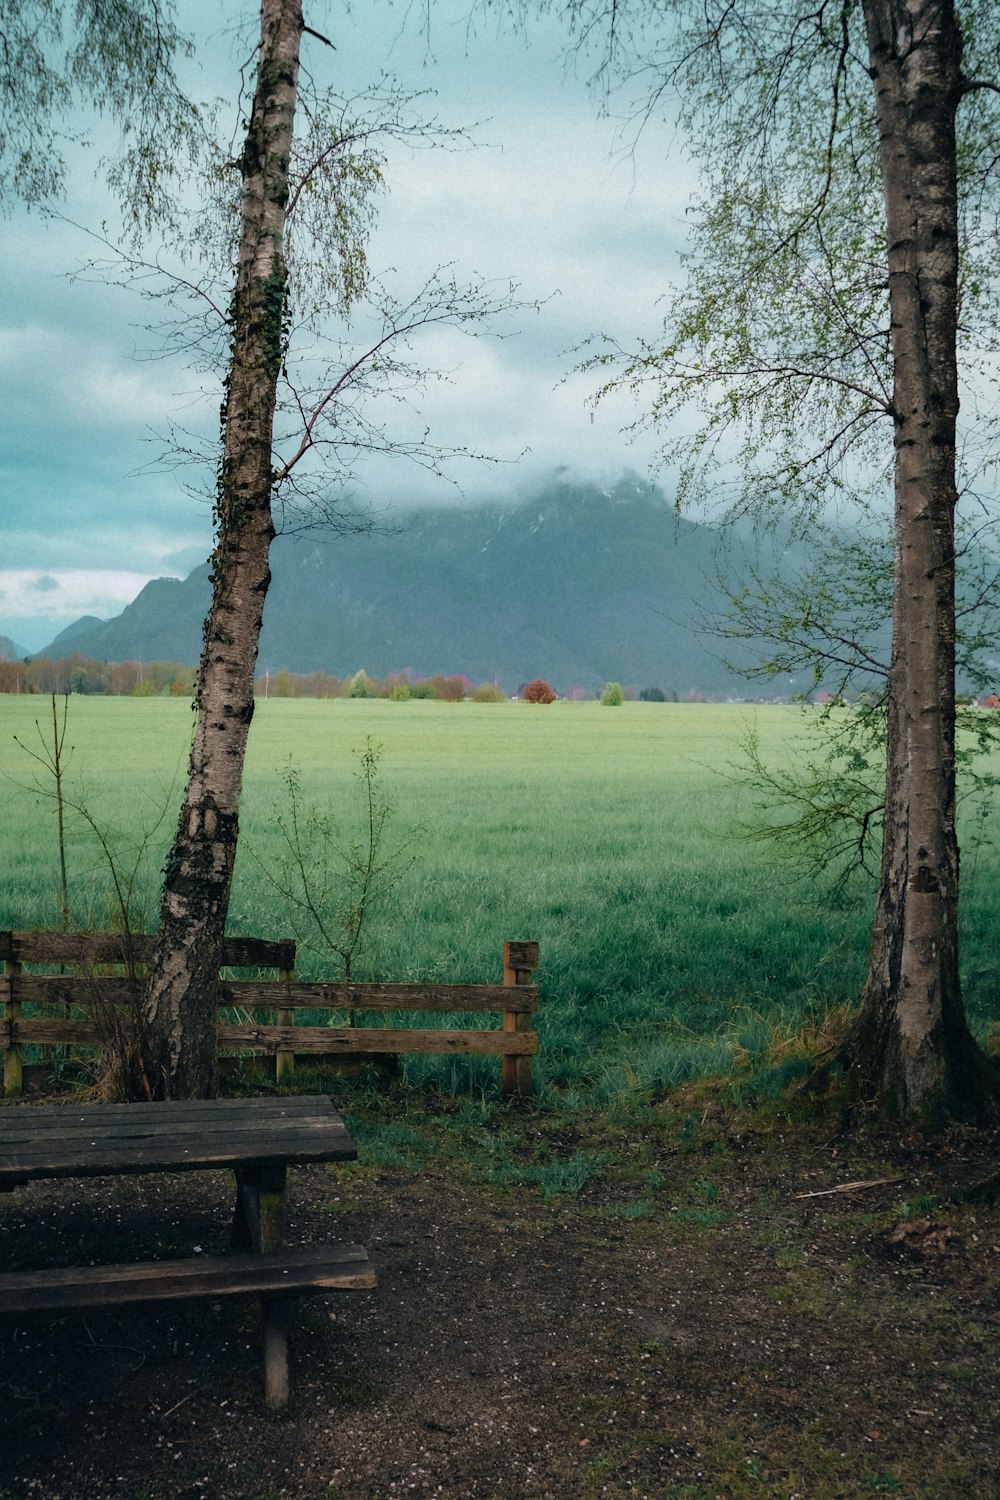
(332, 884)
(112, 57)
(772, 377)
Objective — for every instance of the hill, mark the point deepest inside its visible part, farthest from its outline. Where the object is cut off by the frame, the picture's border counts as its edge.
(578, 584)
(10, 650)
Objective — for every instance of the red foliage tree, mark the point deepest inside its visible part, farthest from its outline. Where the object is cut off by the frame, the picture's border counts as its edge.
(539, 691)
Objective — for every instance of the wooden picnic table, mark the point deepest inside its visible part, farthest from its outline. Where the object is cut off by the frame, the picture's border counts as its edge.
(257, 1138)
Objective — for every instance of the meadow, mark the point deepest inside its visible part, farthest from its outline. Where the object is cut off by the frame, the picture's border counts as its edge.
(672, 948)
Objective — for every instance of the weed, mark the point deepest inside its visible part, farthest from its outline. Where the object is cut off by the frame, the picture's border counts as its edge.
(704, 1217)
(352, 1388)
(387, 1144)
(120, 1070)
(914, 1207)
(553, 1179)
(644, 1208)
(330, 886)
(52, 758)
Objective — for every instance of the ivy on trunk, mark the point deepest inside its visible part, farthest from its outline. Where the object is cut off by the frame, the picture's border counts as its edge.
(180, 1011)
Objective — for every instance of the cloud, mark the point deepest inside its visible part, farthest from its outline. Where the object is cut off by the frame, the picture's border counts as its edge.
(86, 376)
(546, 201)
(80, 591)
(36, 608)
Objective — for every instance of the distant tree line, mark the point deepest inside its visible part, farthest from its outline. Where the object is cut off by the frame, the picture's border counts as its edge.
(84, 674)
(454, 687)
(165, 679)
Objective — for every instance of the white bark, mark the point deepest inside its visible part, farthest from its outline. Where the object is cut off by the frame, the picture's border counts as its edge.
(181, 999)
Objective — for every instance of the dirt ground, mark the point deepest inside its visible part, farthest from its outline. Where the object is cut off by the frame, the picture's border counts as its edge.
(723, 1310)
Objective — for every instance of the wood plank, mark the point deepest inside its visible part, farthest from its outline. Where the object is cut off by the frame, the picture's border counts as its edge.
(201, 1138)
(432, 997)
(219, 1115)
(83, 990)
(258, 953)
(50, 1031)
(308, 1268)
(288, 1104)
(364, 1039)
(107, 1158)
(107, 948)
(368, 1039)
(265, 994)
(299, 1038)
(169, 1137)
(521, 955)
(519, 959)
(182, 1132)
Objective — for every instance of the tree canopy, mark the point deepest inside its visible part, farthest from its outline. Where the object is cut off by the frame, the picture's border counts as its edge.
(62, 64)
(772, 376)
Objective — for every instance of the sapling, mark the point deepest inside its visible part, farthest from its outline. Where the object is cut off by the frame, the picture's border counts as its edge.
(123, 858)
(330, 889)
(52, 759)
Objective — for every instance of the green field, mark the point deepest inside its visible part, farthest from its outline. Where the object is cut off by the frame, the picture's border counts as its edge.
(671, 947)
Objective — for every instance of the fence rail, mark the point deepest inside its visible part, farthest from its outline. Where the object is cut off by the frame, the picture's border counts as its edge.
(91, 988)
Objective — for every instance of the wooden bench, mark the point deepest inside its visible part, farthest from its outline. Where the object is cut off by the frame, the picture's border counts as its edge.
(257, 1138)
(103, 970)
(309, 1268)
(276, 1278)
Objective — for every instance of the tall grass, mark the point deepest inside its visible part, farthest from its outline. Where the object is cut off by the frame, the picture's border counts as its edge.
(671, 947)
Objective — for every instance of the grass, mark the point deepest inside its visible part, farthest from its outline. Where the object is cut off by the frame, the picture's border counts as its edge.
(672, 949)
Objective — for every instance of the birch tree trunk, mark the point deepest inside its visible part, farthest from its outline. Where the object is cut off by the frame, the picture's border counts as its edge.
(911, 1047)
(180, 1009)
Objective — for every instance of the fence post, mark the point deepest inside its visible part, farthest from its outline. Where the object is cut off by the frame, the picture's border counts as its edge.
(11, 1009)
(284, 1059)
(519, 962)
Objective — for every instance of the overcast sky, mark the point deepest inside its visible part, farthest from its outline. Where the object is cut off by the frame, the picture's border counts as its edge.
(547, 200)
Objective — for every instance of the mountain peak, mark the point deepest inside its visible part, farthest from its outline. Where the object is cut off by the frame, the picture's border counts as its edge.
(582, 583)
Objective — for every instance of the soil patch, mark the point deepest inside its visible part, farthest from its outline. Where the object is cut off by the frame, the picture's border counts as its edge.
(713, 1312)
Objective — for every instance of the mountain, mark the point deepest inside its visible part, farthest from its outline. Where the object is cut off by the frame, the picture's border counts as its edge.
(578, 584)
(10, 650)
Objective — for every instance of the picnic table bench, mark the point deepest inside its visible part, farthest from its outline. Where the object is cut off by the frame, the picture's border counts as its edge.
(257, 1138)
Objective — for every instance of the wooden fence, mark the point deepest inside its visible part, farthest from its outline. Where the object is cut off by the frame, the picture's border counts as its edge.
(54, 983)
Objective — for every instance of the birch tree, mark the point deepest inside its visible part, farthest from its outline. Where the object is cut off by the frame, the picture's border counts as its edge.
(848, 216)
(180, 1008)
(308, 170)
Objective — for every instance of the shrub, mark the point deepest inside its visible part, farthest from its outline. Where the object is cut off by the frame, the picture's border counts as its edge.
(363, 686)
(652, 695)
(489, 692)
(452, 689)
(539, 691)
(613, 697)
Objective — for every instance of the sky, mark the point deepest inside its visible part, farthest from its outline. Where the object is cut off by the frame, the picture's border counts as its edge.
(590, 232)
